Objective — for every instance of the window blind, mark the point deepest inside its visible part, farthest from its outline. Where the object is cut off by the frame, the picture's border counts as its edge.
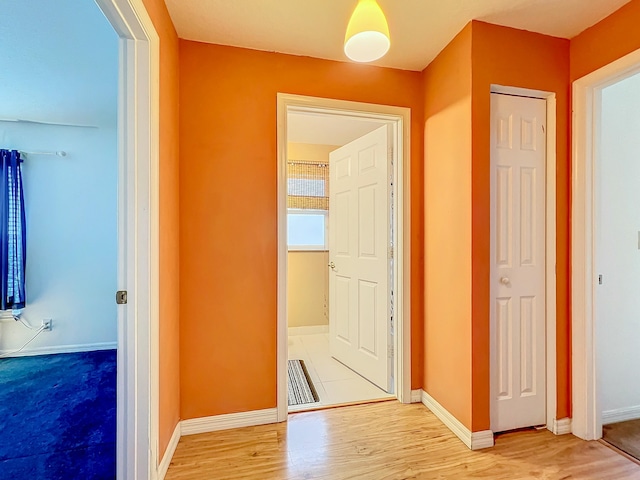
(308, 185)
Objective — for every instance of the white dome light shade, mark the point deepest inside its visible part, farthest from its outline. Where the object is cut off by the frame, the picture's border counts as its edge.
(367, 46)
(367, 37)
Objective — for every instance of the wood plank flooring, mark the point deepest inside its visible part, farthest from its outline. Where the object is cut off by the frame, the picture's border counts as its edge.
(624, 436)
(387, 441)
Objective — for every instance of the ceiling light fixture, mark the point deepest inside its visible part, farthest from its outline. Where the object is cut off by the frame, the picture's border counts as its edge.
(367, 37)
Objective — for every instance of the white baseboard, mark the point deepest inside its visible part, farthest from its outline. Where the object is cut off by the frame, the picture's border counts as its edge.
(473, 440)
(168, 454)
(620, 415)
(213, 424)
(483, 439)
(416, 396)
(88, 347)
(308, 330)
(228, 421)
(561, 427)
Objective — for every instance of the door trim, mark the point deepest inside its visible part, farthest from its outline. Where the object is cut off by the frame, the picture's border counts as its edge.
(550, 243)
(138, 238)
(587, 421)
(401, 117)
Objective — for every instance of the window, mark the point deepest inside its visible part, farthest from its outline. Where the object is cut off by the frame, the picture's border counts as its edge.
(308, 202)
(307, 229)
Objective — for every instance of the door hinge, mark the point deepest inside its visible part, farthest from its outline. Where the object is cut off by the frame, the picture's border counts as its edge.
(600, 279)
(121, 297)
(391, 253)
(390, 350)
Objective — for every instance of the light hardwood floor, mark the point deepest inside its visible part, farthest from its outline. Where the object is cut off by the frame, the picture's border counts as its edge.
(387, 441)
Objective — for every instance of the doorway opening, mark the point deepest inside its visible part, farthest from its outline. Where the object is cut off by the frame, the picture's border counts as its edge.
(100, 131)
(323, 362)
(58, 334)
(617, 262)
(321, 238)
(605, 243)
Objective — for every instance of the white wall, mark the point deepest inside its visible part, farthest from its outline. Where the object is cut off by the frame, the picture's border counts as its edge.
(60, 64)
(618, 253)
(71, 210)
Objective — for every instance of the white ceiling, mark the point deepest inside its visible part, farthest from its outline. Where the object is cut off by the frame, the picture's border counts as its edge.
(420, 29)
(319, 129)
(59, 63)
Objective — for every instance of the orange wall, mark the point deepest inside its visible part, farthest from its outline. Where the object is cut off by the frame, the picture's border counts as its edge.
(606, 41)
(457, 88)
(228, 229)
(447, 207)
(169, 224)
(506, 56)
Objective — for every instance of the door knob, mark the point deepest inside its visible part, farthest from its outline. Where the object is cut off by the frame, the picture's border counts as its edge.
(332, 265)
(505, 280)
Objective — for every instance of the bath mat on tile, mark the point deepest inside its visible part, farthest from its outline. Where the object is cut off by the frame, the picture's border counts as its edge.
(301, 389)
(624, 435)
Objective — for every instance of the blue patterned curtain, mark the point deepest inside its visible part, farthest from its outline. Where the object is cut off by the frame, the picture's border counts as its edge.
(13, 247)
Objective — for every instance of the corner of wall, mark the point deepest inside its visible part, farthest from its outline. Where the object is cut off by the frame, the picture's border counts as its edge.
(473, 440)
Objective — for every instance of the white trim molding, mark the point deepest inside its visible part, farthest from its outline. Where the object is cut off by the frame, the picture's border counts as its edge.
(416, 396)
(229, 421)
(587, 418)
(308, 330)
(473, 440)
(169, 452)
(621, 415)
(550, 254)
(138, 237)
(400, 119)
(53, 350)
(561, 427)
(482, 439)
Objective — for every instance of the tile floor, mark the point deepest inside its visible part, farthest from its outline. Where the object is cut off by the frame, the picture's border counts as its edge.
(334, 383)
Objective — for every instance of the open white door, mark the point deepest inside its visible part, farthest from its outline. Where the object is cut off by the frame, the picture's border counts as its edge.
(359, 226)
(518, 373)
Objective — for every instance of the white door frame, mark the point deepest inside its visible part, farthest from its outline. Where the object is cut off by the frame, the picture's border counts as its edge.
(587, 93)
(550, 247)
(400, 117)
(138, 250)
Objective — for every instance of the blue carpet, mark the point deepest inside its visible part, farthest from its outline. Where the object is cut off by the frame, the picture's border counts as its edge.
(58, 416)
